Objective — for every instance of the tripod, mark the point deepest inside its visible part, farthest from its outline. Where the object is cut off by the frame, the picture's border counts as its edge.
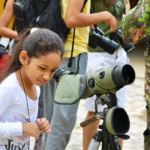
(108, 141)
(109, 130)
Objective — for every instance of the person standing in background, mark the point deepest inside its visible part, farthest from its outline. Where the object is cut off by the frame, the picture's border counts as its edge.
(98, 59)
(7, 20)
(4, 42)
(63, 117)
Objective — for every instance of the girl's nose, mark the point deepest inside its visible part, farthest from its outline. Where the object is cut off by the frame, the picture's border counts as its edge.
(47, 76)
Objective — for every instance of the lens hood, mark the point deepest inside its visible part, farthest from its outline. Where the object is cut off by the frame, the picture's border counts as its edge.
(117, 121)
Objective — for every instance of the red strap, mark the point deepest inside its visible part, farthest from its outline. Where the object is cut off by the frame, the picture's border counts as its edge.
(3, 61)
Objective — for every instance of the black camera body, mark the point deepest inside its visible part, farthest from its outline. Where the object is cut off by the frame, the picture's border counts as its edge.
(97, 38)
(2, 50)
(116, 36)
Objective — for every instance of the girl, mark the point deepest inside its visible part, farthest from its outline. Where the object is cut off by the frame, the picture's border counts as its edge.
(36, 55)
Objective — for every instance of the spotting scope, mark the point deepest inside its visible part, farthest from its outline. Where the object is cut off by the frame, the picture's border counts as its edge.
(73, 87)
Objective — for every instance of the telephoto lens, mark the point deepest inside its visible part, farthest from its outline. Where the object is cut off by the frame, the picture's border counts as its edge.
(117, 37)
(97, 38)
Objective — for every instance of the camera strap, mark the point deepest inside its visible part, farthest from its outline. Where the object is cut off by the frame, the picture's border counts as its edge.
(74, 31)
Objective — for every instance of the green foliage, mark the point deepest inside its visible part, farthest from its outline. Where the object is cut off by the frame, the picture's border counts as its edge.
(148, 30)
(146, 18)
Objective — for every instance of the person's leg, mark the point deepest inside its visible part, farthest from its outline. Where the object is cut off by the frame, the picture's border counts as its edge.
(64, 116)
(89, 131)
(120, 143)
(48, 95)
(96, 61)
(62, 123)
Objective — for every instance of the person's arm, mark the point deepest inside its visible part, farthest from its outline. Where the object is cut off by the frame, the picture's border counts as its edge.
(127, 3)
(5, 19)
(74, 17)
(8, 128)
(18, 128)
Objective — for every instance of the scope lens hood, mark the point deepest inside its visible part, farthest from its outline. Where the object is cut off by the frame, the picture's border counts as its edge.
(123, 75)
(117, 121)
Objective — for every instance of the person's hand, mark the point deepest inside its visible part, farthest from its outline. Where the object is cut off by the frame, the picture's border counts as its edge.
(111, 20)
(43, 125)
(31, 129)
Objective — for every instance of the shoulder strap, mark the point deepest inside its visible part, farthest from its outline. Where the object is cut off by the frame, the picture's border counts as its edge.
(53, 3)
(38, 9)
(84, 5)
(70, 59)
(5, 3)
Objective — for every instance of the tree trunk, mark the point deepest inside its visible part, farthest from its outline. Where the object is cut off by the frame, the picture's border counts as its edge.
(136, 24)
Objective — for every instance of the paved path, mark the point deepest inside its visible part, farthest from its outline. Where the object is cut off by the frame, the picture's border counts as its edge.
(135, 108)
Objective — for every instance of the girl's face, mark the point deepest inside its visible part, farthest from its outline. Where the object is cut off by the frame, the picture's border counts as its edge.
(40, 70)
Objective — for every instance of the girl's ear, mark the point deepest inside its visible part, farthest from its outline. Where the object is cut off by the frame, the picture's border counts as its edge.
(24, 58)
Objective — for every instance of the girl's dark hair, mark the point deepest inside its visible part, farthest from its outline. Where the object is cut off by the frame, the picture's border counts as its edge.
(40, 42)
(109, 3)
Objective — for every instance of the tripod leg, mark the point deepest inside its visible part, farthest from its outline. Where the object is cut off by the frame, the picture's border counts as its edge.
(114, 142)
(94, 145)
(105, 141)
(95, 142)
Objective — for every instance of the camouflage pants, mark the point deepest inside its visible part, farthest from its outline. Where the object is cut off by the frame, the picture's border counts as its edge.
(147, 98)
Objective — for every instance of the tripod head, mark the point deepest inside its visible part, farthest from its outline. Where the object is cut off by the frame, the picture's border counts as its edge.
(115, 119)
